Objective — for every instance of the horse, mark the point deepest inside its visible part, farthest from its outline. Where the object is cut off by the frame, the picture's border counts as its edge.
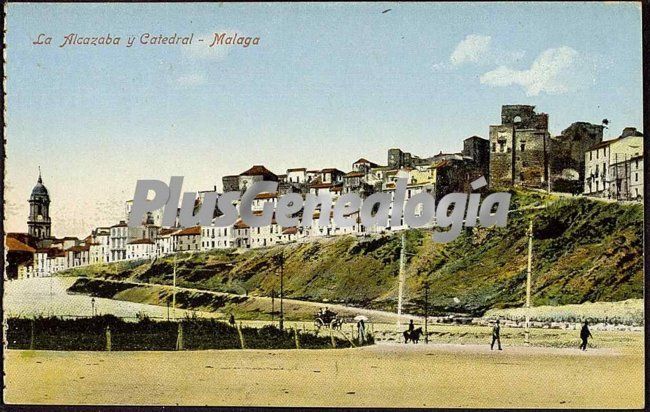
(412, 336)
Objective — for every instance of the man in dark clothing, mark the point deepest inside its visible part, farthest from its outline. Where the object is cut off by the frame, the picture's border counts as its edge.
(411, 326)
(361, 328)
(585, 334)
(232, 320)
(496, 330)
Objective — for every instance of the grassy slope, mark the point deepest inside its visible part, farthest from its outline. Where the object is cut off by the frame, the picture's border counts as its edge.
(583, 251)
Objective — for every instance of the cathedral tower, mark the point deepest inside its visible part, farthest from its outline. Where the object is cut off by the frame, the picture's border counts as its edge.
(39, 222)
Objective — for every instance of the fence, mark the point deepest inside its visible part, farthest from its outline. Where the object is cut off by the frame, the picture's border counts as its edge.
(108, 332)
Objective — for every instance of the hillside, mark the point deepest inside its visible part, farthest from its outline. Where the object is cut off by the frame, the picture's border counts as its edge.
(584, 250)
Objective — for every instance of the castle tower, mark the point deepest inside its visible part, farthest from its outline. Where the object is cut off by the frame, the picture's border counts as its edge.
(519, 148)
(39, 222)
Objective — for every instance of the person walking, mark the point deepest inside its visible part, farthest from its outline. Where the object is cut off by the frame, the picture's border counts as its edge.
(496, 335)
(232, 320)
(361, 328)
(585, 334)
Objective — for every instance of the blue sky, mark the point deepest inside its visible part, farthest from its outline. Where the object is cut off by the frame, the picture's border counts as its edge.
(327, 84)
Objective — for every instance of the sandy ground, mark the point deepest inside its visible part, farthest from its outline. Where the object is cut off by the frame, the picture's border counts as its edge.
(382, 375)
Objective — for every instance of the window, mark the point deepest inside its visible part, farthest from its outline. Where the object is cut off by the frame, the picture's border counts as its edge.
(494, 147)
(636, 177)
(523, 146)
(591, 155)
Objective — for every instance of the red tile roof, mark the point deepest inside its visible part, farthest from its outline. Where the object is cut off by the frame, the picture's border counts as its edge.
(362, 160)
(331, 170)
(84, 248)
(190, 231)
(321, 185)
(241, 225)
(141, 242)
(290, 231)
(266, 195)
(258, 170)
(15, 245)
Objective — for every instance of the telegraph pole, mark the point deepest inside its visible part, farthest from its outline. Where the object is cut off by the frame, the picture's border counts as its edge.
(402, 256)
(272, 305)
(426, 312)
(174, 290)
(528, 281)
(282, 290)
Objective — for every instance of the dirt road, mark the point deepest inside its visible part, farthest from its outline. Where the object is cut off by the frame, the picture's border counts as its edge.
(383, 375)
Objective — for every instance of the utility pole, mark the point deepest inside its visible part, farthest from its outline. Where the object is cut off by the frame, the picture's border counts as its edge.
(426, 312)
(174, 290)
(400, 288)
(272, 305)
(528, 281)
(282, 290)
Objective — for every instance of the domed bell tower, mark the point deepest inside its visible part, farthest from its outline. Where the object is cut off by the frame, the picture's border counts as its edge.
(39, 223)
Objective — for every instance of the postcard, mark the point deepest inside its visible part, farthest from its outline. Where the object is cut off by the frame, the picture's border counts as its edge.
(431, 205)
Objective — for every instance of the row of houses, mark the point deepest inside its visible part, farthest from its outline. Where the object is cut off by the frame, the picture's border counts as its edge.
(122, 243)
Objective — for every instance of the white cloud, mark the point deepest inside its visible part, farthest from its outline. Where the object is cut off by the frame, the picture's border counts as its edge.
(189, 80)
(554, 71)
(472, 49)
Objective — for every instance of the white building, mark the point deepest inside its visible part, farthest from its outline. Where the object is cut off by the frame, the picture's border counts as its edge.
(164, 242)
(257, 205)
(118, 239)
(297, 175)
(601, 180)
(99, 248)
(241, 235)
(290, 234)
(255, 174)
(42, 263)
(265, 236)
(140, 249)
(215, 237)
(187, 240)
(626, 179)
(77, 256)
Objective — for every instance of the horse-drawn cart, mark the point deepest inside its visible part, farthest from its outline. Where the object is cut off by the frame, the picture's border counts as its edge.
(327, 319)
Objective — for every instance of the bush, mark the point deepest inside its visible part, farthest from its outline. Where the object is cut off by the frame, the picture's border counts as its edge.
(89, 334)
